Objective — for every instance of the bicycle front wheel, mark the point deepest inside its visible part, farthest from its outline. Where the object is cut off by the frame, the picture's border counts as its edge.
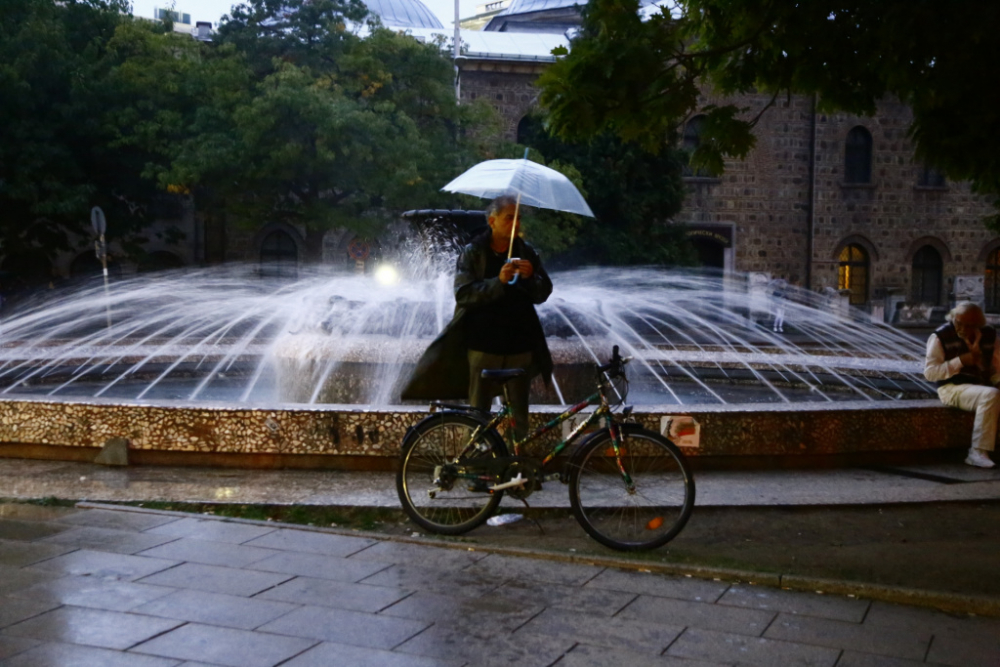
(645, 512)
(435, 502)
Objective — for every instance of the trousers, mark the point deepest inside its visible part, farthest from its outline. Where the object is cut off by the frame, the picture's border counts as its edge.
(481, 392)
(984, 401)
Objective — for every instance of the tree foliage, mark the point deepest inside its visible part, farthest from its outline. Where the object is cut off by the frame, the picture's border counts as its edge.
(632, 192)
(641, 79)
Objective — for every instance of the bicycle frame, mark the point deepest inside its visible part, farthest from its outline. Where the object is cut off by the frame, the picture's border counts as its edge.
(603, 411)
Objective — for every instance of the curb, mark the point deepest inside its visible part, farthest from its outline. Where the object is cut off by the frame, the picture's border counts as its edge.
(980, 605)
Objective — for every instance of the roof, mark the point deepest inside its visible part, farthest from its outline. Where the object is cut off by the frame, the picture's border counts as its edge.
(403, 13)
(500, 45)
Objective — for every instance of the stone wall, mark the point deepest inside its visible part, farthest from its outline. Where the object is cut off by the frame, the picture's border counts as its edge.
(349, 433)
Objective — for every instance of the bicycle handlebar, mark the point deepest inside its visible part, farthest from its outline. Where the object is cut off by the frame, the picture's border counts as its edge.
(616, 366)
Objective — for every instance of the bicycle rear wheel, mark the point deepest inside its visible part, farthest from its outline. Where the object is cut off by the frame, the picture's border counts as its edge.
(646, 515)
(450, 508)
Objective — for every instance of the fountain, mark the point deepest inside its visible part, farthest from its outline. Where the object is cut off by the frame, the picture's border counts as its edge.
(219, 362)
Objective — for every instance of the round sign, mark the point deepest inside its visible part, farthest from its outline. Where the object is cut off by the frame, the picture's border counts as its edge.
(358, 249)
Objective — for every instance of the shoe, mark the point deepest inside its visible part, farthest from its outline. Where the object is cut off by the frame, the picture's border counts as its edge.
(978, 458)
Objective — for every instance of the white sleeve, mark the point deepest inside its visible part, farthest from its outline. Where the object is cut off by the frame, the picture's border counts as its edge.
(935, 366)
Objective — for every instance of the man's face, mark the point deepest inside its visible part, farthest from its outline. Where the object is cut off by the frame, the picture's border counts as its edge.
(967, 323)
(503, 220)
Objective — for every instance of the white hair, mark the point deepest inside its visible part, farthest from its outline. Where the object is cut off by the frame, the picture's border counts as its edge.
(964, 307)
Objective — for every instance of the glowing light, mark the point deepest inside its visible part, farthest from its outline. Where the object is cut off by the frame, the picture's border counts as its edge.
(386, 275)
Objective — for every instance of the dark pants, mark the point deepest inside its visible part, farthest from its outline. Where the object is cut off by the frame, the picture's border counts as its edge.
(481, 392)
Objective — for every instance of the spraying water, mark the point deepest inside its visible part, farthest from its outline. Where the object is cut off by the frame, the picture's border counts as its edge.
(224, 333)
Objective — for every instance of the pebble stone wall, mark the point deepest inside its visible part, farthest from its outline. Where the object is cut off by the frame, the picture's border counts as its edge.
(836, 428)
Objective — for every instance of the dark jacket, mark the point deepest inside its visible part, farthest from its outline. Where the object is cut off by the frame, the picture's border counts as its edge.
(443, 370)
(954, 346)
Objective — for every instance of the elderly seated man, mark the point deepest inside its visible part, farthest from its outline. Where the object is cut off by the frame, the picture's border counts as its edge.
(963, 358)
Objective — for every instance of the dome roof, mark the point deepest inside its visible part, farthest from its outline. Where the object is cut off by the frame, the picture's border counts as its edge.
(403, 13)
(529, 6)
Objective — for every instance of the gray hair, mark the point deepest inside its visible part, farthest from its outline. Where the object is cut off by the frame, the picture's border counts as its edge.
(499, 204)
(963, 307)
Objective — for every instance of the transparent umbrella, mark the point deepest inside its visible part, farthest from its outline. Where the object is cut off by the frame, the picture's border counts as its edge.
(533, 183)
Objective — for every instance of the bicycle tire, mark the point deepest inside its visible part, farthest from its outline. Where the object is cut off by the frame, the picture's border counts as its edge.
(437, 440)
(659, 505)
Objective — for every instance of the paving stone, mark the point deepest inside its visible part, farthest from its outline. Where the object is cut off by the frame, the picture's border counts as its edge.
(588, 600)
(345, 627)
(224, 646)
(702, 615)
(216, 579)
(523, 649)
(13, 579)
(639, 636)
(10, 646)
(215, 530)
(965, 648)
(120, 520)
(585, 655)
(490, 612)
(502, 568)
(898, 643)
(435, 580)
(107, 566)
(732, 648)
(93, 592)
(918, 619)
(318, 566)
(337, 594)
(327, 654)
(91, 627)
(431, 556)
(855, 659)
(19, 554)
(27, 531)
(107, 539)
(14, 610)
(73, 655)
(209, 553)
(310, 542)
(837, 607)
(646, 583)
(216, 609)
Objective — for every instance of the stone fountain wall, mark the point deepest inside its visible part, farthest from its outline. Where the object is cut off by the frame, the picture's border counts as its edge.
(352, 437)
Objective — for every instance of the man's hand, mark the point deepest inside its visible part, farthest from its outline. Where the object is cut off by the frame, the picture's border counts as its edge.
(507, 272)
(974, 356)
(525, 269)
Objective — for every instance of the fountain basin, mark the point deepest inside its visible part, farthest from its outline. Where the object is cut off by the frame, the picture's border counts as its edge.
(355, 437)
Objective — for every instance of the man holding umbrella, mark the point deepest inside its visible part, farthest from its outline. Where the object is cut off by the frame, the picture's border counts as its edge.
(498, 280)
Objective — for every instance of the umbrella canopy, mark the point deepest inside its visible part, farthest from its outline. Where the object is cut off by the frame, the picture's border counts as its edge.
(536, 184)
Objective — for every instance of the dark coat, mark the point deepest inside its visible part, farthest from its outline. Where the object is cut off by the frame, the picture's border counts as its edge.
(443, 370)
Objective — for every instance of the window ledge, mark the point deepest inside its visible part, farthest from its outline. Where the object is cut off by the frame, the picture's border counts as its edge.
(858, 186)
(931, 188)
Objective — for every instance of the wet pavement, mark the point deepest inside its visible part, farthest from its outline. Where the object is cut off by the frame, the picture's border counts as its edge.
(134, 587)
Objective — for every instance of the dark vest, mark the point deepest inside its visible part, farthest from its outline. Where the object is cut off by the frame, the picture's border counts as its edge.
(955, 346)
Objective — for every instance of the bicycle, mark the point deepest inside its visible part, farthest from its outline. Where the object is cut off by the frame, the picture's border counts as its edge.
(630, 488)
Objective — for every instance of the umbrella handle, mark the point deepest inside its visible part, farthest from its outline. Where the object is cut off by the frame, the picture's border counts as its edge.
(517, 274)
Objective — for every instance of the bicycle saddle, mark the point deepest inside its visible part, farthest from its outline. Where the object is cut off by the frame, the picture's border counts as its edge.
(502, 374)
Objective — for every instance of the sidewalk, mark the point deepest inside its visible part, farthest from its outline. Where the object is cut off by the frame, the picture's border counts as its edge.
(133, 587)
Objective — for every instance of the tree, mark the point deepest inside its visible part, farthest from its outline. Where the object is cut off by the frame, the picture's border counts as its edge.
(315, 125)
(56, 157)
(641, 79)
(632, 192)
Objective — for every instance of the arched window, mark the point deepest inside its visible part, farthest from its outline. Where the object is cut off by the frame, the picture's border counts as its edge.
(929, 177)
(279, 256)
(529, 130)
(858, 156)
(852, 273)
(927, 274)
(691, 140)
(993, 282)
